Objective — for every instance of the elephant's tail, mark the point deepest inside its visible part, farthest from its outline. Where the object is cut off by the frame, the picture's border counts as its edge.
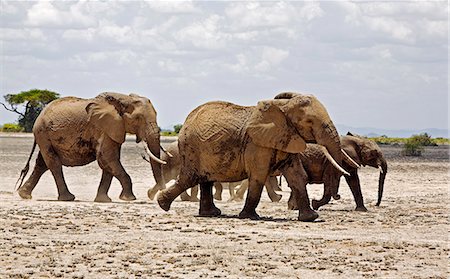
(25, 170)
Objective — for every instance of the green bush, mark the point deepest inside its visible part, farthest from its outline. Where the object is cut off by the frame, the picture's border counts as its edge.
(412, 148)
(414, 145)
(11, 128)
(422, 139)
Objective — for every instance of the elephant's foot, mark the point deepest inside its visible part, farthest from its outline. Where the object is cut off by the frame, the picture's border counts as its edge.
(194, 199)
(218, 196)
(213, 211)
(66, 197)
(249, 214)
(316, 204)
(127, 196)
(185, 196)
(24, 193)
(164, 201)
(151, 193)
(307, 215)
(292, 205)
(102, 198)
(275, 197)
(361, 208)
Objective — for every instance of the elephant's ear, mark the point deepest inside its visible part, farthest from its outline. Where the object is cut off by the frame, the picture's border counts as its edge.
(268, 127)
(105, 117)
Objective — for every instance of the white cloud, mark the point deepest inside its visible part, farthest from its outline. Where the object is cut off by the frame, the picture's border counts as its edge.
(204, 34)
(45, 14)
(271, 57)
(186, 6)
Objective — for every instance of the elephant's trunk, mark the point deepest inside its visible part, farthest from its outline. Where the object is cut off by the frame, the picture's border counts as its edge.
(383, 172)
(328, 137)
(153, 144)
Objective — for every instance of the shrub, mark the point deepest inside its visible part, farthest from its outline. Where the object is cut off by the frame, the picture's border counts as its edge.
(422, 139)
(12, 128)
(412, 148)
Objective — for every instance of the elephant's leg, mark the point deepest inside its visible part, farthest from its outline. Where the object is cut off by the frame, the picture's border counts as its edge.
(108, 159)
(103, 188)
(53, 162)
(326, 197)
(330, 185)
(151, 193)
(231, 186)
(207, 207)
(297, 180)
(355, 187)
(39, 169)
(241, 191)
(271, 184)
(194, 194)
(219, 189)
(278, 185)
(168, 195)
(255, 188)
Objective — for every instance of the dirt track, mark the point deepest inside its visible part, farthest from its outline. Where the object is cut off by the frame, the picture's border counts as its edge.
(406, 237)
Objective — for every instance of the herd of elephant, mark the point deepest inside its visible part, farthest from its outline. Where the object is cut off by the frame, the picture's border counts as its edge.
(291, 135)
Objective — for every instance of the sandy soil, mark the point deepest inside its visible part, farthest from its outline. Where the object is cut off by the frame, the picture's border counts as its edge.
(406, 237)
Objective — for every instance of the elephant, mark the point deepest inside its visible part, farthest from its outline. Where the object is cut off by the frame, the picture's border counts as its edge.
(172, 169)
(271, 186)
(72, 131)
(319, 170)
(222, 141)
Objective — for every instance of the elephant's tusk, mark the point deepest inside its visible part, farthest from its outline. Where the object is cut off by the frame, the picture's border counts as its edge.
(349, 160)
(381, 169)
(153, 157)
(332, 161)
(165, 151)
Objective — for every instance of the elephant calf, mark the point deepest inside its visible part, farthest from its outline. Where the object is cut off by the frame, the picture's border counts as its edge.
(319, 170)
(74, 132)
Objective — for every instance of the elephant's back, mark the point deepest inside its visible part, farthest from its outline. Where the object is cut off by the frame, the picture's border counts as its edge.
(64, 125)
(63, 113)
(214, 121)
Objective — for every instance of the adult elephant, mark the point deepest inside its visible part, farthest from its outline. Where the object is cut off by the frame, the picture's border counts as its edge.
(221, 141)
(319, 170)
(73, 132)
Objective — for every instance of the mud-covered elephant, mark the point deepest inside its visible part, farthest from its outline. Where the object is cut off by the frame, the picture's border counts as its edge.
(171, 171)
(74, 132)
(221, 141)
(319, 170)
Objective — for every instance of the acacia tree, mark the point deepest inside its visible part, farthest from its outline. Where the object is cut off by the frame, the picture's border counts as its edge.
(34, 101)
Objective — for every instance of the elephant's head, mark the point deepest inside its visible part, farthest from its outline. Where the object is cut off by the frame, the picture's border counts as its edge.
(117, 114)
(367, 153)
(291, 120)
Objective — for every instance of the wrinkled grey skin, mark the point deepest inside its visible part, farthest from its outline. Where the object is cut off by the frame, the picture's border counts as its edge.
(221, 141)
(319, 170)
(74, 132)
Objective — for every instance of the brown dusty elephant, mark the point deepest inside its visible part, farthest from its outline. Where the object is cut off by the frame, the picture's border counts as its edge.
(319, 170)
(74, 132)
(172, 169)
(221, 141)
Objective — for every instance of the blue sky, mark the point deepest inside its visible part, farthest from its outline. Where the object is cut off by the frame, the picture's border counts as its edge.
(373, 64)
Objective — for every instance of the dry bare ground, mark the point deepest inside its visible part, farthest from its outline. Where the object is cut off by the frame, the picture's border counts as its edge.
(406, 237)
